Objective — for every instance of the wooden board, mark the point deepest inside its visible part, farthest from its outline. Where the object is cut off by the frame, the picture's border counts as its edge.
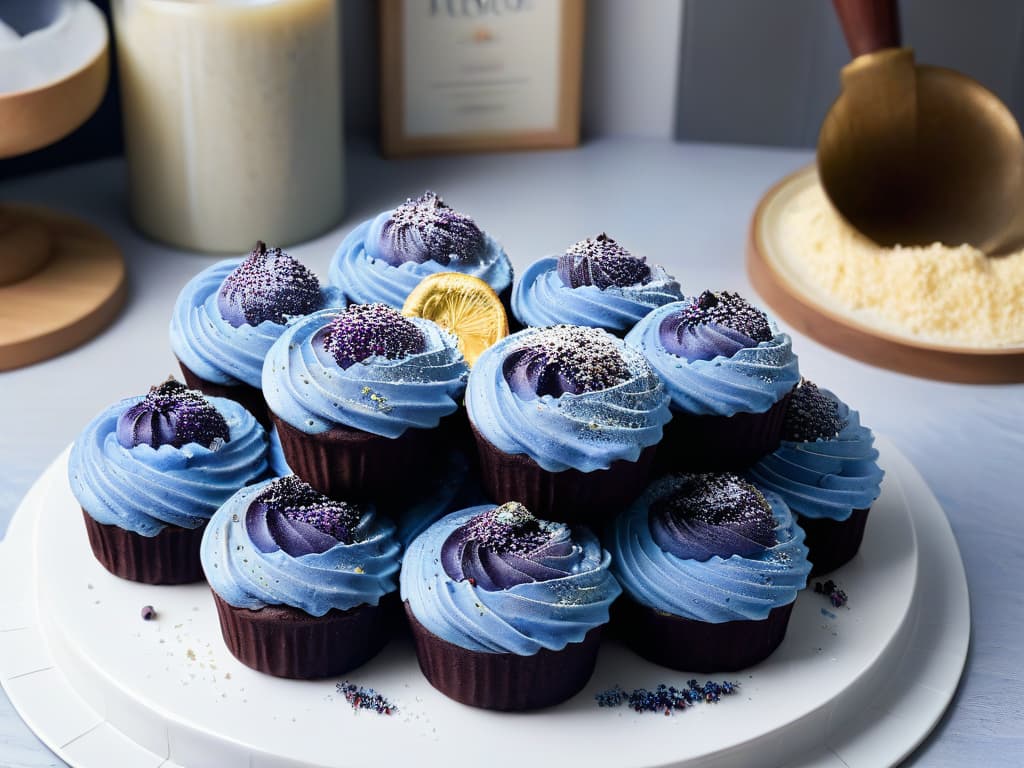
(73, 297)
(850, 335)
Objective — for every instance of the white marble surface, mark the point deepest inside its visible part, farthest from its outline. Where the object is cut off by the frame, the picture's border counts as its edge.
(687, 206)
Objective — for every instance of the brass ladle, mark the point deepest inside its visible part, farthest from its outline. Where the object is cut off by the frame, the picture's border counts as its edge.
(912, 154)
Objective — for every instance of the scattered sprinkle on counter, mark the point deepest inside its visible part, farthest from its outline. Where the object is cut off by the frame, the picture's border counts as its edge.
(667, 698)
(359, 697)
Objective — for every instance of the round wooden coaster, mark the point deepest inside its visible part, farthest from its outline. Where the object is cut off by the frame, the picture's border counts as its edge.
(72, 297)
(811, 314)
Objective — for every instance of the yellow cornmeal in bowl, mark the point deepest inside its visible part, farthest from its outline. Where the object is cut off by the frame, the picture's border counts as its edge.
(949, 295)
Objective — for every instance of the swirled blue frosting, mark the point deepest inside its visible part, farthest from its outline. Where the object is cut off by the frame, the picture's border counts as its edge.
(144, 489)
(562, 588)
(596, 283)
(305, 385)
(822, 472)
(717, 589)
(748, 379)
(212, 346)
(384, 258)
(336, 571)
(275, 455)
(455, 487)
(587, 427)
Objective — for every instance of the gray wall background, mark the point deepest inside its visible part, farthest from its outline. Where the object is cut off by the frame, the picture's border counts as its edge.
(766, 71)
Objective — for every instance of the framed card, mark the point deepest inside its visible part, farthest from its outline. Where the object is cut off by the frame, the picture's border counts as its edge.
(478, 75)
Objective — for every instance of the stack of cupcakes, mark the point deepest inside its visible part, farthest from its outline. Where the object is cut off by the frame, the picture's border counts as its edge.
(674, 428)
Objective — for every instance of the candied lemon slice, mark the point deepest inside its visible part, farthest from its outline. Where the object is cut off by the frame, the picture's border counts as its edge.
(462, 304)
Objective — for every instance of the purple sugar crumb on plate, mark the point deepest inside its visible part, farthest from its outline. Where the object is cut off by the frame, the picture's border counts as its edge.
(148, 613)
(565, 359)
(363, 331)
(811, 415)
(172, 414)
(359, 697)
(268, 285)
(603, 263)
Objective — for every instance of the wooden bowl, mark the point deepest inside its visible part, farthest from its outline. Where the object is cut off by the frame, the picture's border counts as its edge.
(810, 311)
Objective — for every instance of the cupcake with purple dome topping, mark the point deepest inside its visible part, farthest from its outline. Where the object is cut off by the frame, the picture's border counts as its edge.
(827, 471)
(357, 396)
(150, 471)
(303, 584)
(596, 282)
(385, 257)
(506, 610)
(566, 420)
(710, 568)
(729, 371)
(227, 317)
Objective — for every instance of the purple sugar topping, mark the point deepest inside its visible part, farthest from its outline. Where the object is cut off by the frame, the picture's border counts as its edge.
(289, 514)
(712, 514)
(425, 229)
(363, 331)
(267, 285)
(506, 546)
(712, 325)
(811, 415)
(172, 414)
(565, 359)
(601, 262)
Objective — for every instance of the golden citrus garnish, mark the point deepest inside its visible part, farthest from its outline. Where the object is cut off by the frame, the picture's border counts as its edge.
(462, 304)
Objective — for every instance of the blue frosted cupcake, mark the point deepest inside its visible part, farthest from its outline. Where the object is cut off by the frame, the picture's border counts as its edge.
(566, 420)
(149, 472)
(729, 371)
(506, 609)
(710, 567)
(827, 471)
(227, 317)
(356, 396)
(597, 283)
(301, 581)
(384, 258)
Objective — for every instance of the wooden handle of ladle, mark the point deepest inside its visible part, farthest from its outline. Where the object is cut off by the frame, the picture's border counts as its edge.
(869, 25)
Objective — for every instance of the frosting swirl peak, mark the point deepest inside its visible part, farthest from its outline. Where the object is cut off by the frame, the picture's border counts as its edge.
(505, 546)
(603, 263)
(712, 514)
(268, 285)
(713, 324)
(565, 359)
(289, 514)
(427, 229)
(363, 331)
(172, 414)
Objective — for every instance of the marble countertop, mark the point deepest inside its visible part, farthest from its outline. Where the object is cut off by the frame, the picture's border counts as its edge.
(684, 205)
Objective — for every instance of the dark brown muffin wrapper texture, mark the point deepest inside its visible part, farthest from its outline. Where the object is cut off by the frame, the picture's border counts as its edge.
(720, 443)
(569, 496)
(170, 557)
(698, 646)
(247, 396)
(504, 681)
(833, 543)
(287, 642)
(353, 465)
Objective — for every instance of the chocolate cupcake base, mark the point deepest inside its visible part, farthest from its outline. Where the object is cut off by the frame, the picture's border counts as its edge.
(504, 681)
(170, 557)
(247, 396)
(720, 443)
(833, 543)
(698, 646)
(569, 496)
(352, 465)
(287, 642)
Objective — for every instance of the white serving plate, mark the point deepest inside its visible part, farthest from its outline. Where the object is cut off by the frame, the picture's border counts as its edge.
(104, 689)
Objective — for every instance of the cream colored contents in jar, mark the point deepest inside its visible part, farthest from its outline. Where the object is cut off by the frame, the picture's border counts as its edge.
(949, 295)
(232, 117)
